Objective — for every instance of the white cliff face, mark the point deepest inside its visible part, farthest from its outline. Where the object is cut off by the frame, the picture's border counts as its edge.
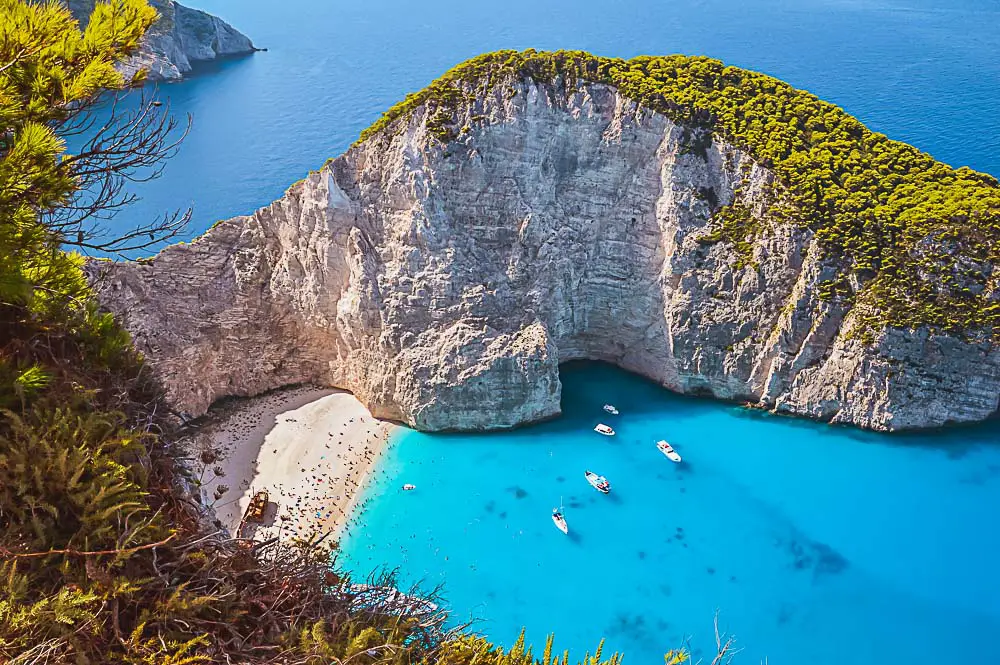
(444, 284)
(180, 37)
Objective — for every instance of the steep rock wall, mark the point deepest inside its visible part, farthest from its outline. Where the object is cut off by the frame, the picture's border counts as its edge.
(179, 38)
(444, 284)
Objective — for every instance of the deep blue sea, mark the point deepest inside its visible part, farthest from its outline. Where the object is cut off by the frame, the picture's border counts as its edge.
(816, 545)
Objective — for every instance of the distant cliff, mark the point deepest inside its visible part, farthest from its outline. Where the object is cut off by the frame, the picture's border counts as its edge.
(710, 228)
(181, 37)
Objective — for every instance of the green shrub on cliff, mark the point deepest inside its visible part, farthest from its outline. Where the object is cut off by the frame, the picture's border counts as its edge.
(921, 237)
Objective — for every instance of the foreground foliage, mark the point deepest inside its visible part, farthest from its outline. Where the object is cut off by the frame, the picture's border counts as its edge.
(915, 240)
(104, 555)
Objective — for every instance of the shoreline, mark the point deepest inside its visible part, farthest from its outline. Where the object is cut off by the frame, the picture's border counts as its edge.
(311, 449)
(346, 519)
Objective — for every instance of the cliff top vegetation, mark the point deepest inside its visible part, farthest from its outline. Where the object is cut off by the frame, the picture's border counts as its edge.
(915, 240)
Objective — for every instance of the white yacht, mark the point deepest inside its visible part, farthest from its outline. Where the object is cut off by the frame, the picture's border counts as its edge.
(599, 483)
(604, 429)
(559, 520)
(610, 408)
(668, 450)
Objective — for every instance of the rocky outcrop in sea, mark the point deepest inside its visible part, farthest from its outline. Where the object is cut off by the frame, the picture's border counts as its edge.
(444, 281)
(180, 37)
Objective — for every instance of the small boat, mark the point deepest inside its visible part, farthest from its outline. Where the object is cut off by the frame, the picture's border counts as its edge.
(668, 450)
(559, 520)
(409, 487)
(604, 429)
(599, 483)
(610, 408)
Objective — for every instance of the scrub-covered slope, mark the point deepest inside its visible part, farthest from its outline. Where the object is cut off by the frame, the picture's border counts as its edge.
(181, 37)
(711, 228)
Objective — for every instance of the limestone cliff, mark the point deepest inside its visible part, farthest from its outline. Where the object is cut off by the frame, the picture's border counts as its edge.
(444, 281)
(180, 37)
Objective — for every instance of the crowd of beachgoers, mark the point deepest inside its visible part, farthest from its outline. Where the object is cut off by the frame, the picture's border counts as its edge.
(309, 449)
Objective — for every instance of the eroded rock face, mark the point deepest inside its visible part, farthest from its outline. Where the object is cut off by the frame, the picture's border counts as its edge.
(444, 284)
(180, 37)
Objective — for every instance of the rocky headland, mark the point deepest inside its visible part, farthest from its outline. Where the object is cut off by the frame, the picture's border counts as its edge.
(659, 214)
(180, 37)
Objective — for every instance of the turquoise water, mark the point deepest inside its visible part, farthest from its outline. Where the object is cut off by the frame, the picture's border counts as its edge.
(816, 544)
(922, 71)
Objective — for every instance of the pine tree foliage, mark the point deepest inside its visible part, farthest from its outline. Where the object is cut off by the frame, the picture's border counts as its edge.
(72, 479)
(48, 69)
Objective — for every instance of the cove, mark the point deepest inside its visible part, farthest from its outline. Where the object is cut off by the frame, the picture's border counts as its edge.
(816, 544)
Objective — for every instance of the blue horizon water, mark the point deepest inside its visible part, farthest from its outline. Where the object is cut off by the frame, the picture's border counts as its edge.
(816, 544)
(912, 69)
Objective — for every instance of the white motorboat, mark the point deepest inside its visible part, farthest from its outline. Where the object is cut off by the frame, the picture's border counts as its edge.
(599, 483)
(610, 408)
(668, 450)
(559, 520)
(409, 487)
(604, 429)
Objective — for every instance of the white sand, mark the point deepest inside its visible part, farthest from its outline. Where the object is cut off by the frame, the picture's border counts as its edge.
(310, 448)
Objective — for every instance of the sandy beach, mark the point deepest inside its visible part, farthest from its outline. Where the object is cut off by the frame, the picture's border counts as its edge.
(310, 449)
